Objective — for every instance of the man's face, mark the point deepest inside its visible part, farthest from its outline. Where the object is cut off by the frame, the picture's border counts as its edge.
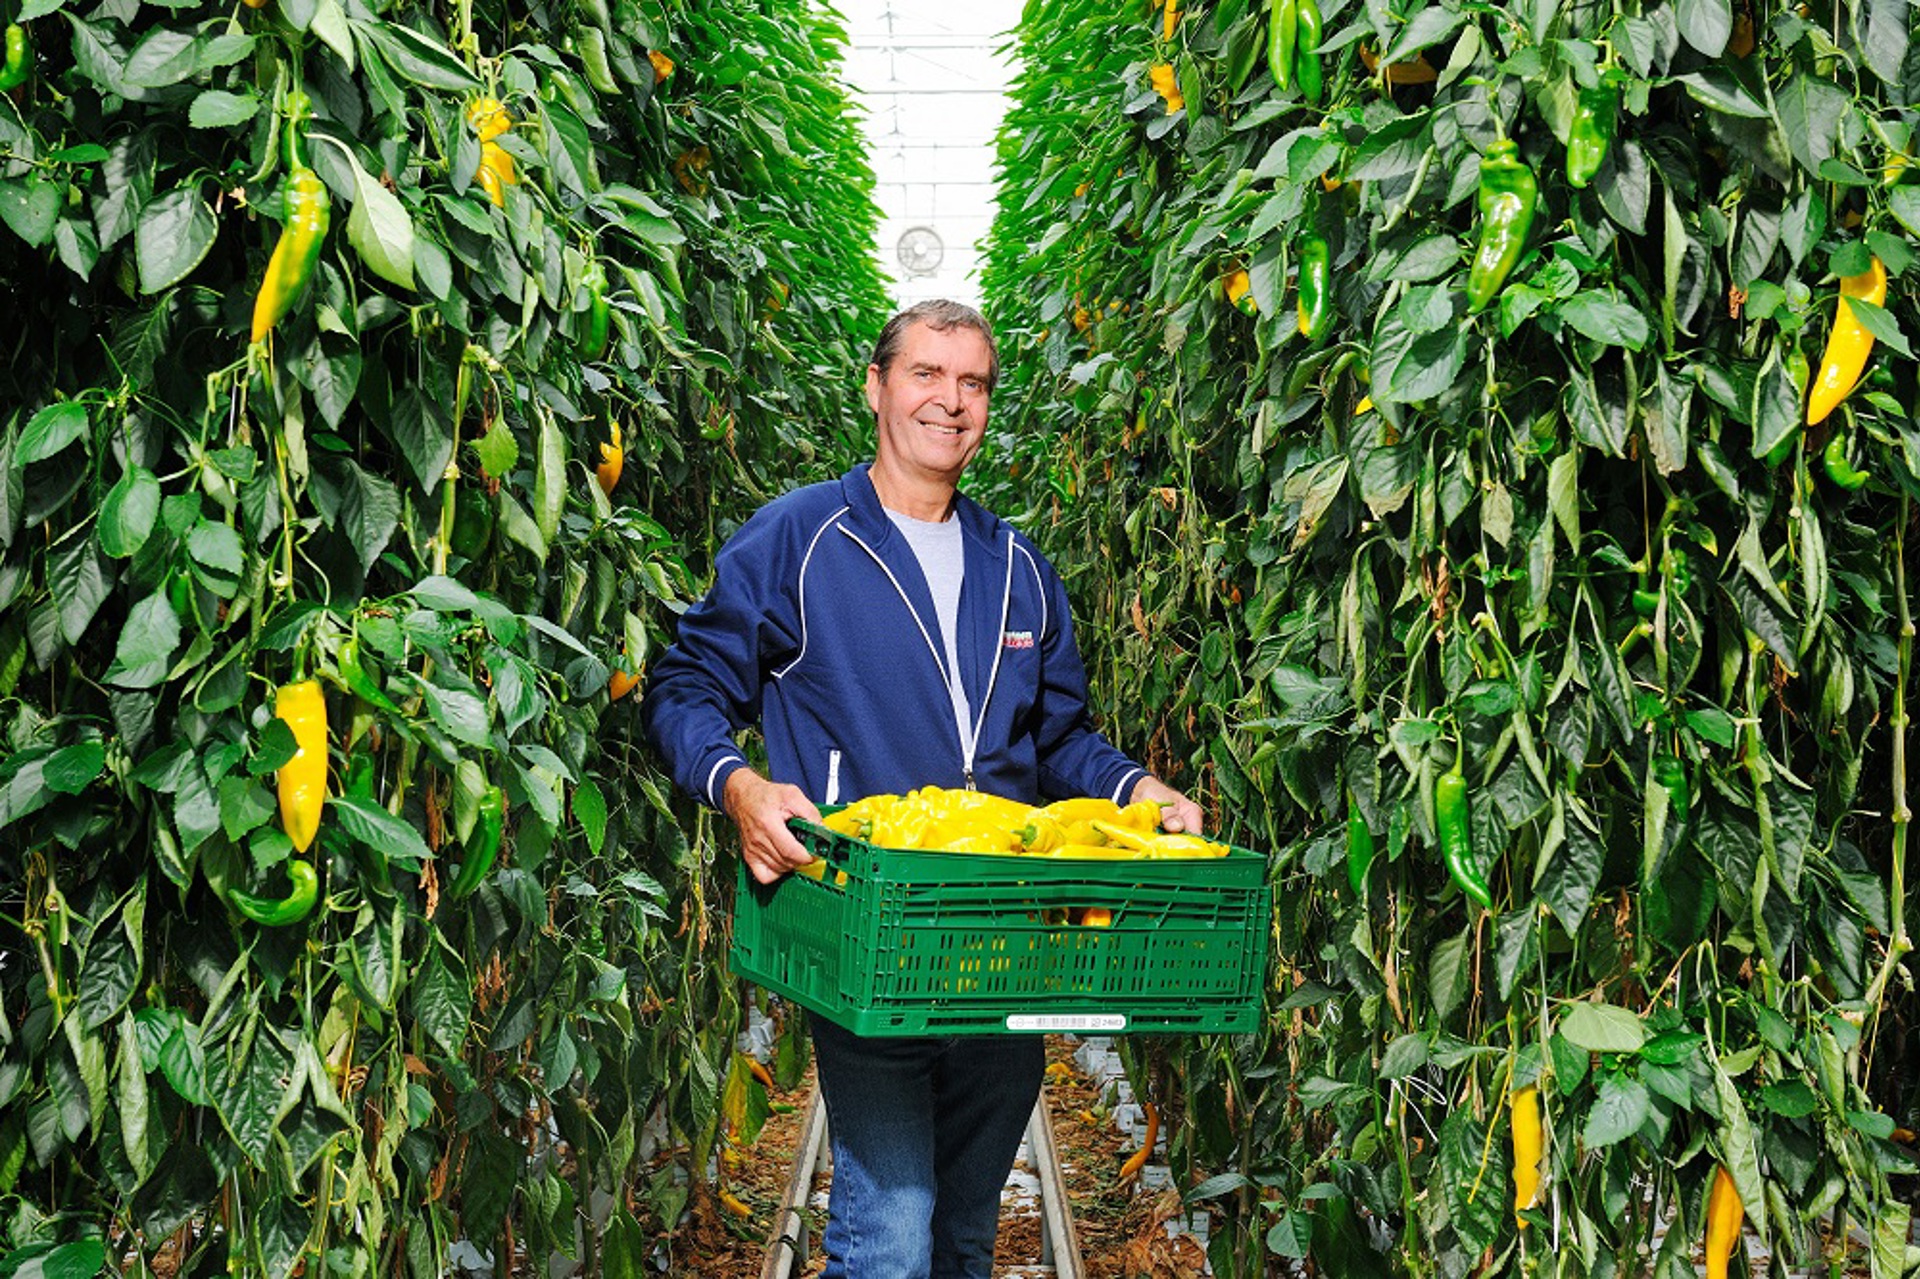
(931, 409)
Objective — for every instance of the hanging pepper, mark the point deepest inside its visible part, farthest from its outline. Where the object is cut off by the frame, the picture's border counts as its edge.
(354, 678)
(1672, 776)
(1595, 120)
(598, 327)
(490, 118)
(1841, 471)
(484, 845)
(276, 911)
(1283, 34)
(298, 249)
(1507, 195)
(1724, 1211)
(1849, 345)
(1360, 850)
(19, 58)
(1170, 19)
(303, 779)
(1456, 835)
(1316, 288)
(1527, 1143)
(1240, 294)
(1306, 50)
(1164, 84)
(613, 459)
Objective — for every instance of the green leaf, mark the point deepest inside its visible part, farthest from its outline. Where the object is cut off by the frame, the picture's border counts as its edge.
(462, 715)
(1707, 25)
(1878, 321)
(1618, 1112)
(1473, 1175)
(216, 547)
(375, 827)
(498, 451)
(253, 1085)
(550, 479)
(423, 429)
(1810, 109)
(51, 430)
(162, 57)
(81, 579)
(128, 513)
(442, 1001)
(1605, 319)
(1449, 977)
(1603, 1028)
(30, 207)
(1291, 1236)
(173, 236)
(151, 633)
(379, 227)
(416, 57)
(82, 1259)
(218, 109)
(590, 810)
(1717, 88)
(72, 769)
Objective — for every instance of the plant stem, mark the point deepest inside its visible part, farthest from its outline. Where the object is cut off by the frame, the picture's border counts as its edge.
(1900, 944)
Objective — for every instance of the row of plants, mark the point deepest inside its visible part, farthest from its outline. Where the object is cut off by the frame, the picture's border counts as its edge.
(380, 383)
(1472, 480)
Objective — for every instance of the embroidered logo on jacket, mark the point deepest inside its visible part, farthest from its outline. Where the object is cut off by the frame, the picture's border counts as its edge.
(1017, 639)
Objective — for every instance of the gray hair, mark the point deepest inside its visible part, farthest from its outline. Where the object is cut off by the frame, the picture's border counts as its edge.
(940, 315)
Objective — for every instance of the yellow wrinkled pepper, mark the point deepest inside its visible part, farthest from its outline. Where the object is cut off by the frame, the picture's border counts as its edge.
(1848, 346)
(303, 779)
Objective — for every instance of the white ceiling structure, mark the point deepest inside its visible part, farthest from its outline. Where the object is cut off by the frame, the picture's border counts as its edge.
(932, 78)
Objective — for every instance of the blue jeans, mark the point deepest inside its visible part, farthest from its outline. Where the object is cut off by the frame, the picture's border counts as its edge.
(924, 1133)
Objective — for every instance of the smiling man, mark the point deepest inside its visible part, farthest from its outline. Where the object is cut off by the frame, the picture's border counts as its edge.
(888, 633)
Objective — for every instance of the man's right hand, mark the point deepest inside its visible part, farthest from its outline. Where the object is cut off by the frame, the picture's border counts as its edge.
(760, 809)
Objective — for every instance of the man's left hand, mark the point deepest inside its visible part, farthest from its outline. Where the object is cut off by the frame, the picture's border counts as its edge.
(1177, 813)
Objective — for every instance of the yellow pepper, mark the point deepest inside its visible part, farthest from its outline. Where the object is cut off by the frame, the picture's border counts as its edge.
(612, 460)
(1161, 74)
(303, 779)
(1163, 845)
(1527, 1141)
(1848, 346)
(1724, 1212)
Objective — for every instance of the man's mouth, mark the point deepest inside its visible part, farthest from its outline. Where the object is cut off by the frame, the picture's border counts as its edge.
(944, 429)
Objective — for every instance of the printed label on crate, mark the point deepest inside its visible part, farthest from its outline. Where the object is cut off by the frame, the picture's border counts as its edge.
(1067, 1021)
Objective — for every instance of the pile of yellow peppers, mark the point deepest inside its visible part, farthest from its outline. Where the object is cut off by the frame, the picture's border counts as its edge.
(965, 821)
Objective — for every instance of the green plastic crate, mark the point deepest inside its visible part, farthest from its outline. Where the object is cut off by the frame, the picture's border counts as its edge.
(893, 942)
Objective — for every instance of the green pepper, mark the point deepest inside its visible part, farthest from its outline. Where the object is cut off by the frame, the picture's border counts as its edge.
(1283, 33)
(1507, 196)
(1360, 850)
(472, 522)
(1839, 469)
(594, 332)
(483, 846)
(593, 60)
(1595, 120)
(1646, 603)
(354, 678)
(1306, 49)
(295, 253)
(1672, 776)
(362, 777)
(292, 908)
(19, 60)
(1316, 288)
(1456, 835)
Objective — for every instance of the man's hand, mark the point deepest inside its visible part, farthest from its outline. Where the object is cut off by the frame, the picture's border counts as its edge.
(760, 809)
(1178, 813)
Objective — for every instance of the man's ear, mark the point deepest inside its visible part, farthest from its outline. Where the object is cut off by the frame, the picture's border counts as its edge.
(873, 387)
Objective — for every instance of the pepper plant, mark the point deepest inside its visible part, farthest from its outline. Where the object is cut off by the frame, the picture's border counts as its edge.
(1514, 605)
(379, 380)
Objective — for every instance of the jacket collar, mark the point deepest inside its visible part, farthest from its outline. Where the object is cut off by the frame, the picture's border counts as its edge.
(981, 527)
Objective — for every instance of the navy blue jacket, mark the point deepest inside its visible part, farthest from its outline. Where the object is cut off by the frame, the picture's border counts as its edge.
(820, 627)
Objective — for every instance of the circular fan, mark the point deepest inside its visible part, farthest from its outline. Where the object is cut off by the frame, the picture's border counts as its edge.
(919, 250)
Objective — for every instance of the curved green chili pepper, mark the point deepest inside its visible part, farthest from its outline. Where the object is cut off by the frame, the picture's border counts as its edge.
(484, 846)
(19, 60)
(1316, 288)
(354, 678)
(1306, 50)
(1646, 603)
(1507, 196)
(1283, 33)
(1841, 471)
(1595, 121)
(1360, 849)
(1456, 836)
(292, 908)
(594, 332)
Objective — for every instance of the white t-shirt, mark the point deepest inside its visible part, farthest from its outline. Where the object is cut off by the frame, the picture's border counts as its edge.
(942, 558)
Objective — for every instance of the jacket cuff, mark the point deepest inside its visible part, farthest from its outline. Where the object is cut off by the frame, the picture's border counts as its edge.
(1124, 786)
(716, 783)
